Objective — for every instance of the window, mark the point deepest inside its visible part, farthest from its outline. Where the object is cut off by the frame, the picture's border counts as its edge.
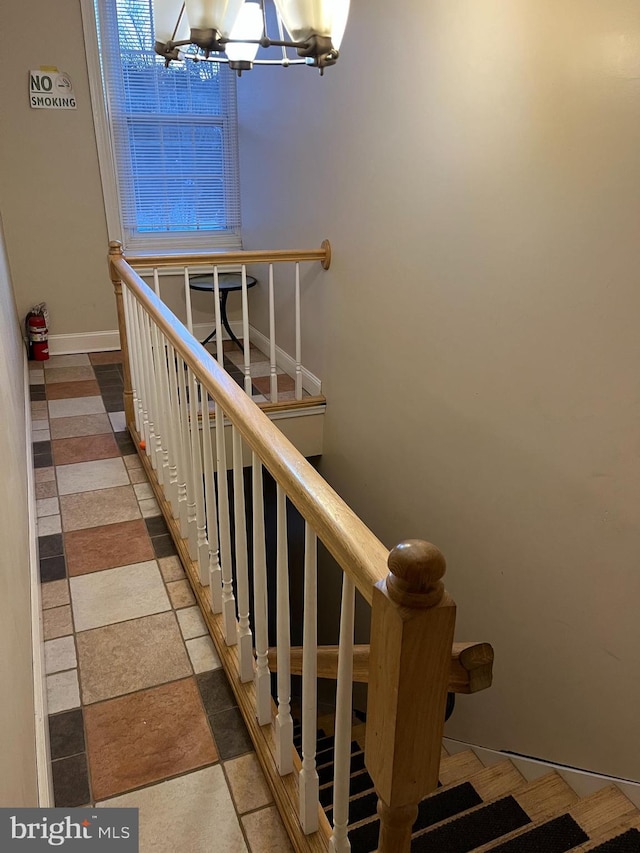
(167, 136)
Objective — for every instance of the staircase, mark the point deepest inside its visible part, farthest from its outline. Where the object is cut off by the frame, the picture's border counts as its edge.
(484, 809)
(384, 786)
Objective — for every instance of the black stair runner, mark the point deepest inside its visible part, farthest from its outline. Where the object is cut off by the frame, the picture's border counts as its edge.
(464, 831)
(628, 842)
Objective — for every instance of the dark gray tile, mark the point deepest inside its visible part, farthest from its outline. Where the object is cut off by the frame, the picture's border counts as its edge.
(109, 380)
(37, 392)
(71, 782)
(230, 733)
(156, 526)
(105, 369)
(41, 447)
(163, 546)
(50, 546)
(125, 443)
(66, 734)
(215, 691)
(53, 569)
(113, 403)
(42, 460)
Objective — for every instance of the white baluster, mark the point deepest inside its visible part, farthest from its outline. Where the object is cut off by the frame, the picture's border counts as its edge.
(154, 426)
(143, 430)
(133, 356)
(283, 721)
(245, 646)
(298, 337)
(162, 438)
(160, 441)
(261, 613)
(215, 577)
(218, 316)
(198, 483)
(339, 842)
(245, 333)
(170, 474)
(273, 370)
(191, 533)
(187, 299)
(174, 399)
(228, 599)
(308, 775)
(146, 384)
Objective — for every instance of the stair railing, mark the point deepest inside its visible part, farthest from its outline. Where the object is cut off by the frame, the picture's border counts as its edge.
(281, 272)
(187, 416)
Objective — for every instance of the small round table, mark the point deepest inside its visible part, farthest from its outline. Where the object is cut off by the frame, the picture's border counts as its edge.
(227, 283)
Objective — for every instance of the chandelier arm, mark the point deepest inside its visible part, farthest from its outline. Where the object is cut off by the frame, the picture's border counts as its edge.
(178, 22)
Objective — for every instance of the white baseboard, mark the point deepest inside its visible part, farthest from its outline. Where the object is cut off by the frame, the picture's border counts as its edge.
(84, 342)
(110, 340)
(583, 782)
(43, 752)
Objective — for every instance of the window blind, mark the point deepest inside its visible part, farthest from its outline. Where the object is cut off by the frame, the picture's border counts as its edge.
(173, 136)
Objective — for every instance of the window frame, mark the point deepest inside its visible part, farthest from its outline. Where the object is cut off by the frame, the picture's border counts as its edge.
(145, 242)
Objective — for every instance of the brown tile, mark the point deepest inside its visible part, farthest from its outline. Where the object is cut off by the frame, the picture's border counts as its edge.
(104, 506)
(105, 357)
(141, 738)
(246, 780)
(84, 448)
(57, 622)
(171, 569)
(45, 490)
(130, 656)
(55, 594)
(181, 594)
(266, 833)
(137, 475)
(64, 390)
(263, 383)
(77, 425)
(45, 475)
(107, 547)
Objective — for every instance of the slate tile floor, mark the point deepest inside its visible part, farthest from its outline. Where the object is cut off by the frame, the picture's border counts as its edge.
(141, 714)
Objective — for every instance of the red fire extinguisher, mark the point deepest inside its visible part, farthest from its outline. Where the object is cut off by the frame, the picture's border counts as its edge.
(38, 337)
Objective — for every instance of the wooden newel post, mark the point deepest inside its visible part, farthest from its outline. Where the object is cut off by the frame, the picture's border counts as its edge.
(413, 620)
(115, 252)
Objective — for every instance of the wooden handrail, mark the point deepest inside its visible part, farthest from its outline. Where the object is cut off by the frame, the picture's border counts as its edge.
(359, 553)
(471, 667)
(233, 258)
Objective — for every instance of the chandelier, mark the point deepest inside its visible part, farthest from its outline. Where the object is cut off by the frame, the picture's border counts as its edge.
(232, 31)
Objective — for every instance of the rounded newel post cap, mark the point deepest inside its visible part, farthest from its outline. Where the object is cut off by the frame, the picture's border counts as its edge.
(416, 568)
(115, 247)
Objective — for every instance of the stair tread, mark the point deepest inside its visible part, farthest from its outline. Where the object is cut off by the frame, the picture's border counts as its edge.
(613, 831)
(602, 811)
(508, 813)
(628, 842)
(459, 766)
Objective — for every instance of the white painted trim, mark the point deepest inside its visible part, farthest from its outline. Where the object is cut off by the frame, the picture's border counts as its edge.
(110, 340)
(43, 752)
(583, 782)
(84, 342)
(309, 412)
(106, 161)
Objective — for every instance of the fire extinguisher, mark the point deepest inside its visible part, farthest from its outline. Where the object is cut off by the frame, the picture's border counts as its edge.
(38, 336)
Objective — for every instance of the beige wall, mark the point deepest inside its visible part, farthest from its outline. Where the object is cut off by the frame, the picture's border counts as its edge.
(49, 180)
(17, 715)
(480, 327)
